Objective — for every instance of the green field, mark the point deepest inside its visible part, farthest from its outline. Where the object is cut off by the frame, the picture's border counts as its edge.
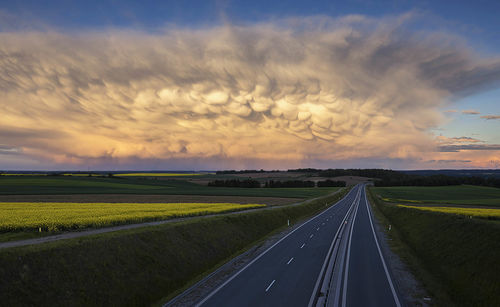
(11, 185)
(158, 174)
(65, 216)
(459, 195)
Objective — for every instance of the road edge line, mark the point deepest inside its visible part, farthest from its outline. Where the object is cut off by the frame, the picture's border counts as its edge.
(328, 256)
(394, 294)
(262, 254)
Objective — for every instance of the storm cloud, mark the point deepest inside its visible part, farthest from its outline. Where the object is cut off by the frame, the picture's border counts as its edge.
(288, 91)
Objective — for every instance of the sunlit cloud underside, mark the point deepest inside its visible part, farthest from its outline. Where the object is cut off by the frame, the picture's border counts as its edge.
(289, 93)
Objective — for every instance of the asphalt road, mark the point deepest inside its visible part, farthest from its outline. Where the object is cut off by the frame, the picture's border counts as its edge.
(367, 282)
(286, 274)
(290, 273)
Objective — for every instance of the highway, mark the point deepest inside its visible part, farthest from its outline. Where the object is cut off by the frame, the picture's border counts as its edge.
(333, 259)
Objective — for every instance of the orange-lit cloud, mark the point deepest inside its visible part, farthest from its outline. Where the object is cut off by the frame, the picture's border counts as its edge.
(291, 92)
(470, 112)
(489, 117)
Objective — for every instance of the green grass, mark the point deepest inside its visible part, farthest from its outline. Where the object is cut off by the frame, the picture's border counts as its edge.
(158, 174)
(69, 216)
(491, 214)
(135, 267)
(136, 185)
(455, 257)
(460, 195)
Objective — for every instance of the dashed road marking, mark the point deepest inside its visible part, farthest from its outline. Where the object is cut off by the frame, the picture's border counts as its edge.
(291, 259)
(270, 285)
(303, 245)
(311, 236)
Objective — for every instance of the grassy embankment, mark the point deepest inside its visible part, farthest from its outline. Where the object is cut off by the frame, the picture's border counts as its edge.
(43, 185)
(136, 267)
(455, 256)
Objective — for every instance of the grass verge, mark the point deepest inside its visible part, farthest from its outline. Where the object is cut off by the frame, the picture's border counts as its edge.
(135, 267)
(456, 258)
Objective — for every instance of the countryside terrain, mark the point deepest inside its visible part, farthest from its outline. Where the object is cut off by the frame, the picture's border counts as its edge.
(446, 235)
(163, 259)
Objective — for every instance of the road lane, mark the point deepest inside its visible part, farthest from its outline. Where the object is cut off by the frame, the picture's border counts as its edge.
(368, 281)
(286, 284)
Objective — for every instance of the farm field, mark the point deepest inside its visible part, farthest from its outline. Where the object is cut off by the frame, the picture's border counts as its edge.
(457, 195)
(148, 198)
(47, 185)
(158, 174)
(17, 217)
(475, 212)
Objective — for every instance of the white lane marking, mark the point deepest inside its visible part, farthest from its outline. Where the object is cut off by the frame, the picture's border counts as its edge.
(322, 223)
(303, 245)
(311, 236)
(396, 299)
(316, 287)
(291, 259)
(346, 272)
(264, 252)
(317, 229)
(270, 285)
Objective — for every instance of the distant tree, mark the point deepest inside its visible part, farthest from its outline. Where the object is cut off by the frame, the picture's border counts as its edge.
(235, 183)
(331, 183)
(289, 184)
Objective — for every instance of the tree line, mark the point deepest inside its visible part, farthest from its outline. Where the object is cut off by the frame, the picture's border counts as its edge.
(437, 180)
(251, 183)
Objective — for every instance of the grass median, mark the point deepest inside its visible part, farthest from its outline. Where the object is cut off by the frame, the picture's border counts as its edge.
(140, 266)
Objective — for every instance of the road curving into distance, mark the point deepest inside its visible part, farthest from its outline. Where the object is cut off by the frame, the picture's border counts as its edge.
(333, 259)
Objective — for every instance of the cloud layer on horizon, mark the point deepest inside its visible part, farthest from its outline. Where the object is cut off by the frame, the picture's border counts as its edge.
(290, 92)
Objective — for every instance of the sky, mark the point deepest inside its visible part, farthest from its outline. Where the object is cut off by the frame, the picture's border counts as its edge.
(206, 85)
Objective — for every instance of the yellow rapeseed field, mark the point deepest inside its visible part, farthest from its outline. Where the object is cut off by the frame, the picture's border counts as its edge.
(477, 212)
(22, 216)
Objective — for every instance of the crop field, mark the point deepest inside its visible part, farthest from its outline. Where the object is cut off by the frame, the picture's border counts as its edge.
(159, 174)
(70, 216)
(459, 195)
(48, 185)
(474, 212)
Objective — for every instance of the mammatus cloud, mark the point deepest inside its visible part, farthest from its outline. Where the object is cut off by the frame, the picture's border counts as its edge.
(290, 92)
(491, 117)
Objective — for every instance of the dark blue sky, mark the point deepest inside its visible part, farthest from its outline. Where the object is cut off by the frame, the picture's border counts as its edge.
(477, 20)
